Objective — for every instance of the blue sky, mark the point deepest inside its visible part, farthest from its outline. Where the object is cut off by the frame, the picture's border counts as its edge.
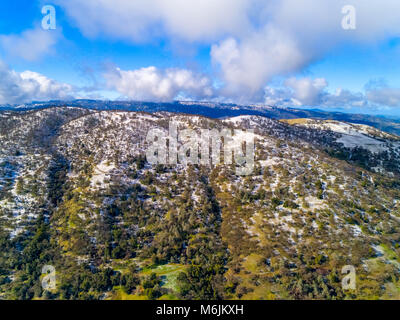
(285, 53)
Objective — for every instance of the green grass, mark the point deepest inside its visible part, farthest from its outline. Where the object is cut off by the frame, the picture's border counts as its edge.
(389, 253)
(120, 294)
(377, 267)
(168, 272)
(251, 263)
(122, 265)
(251, 268)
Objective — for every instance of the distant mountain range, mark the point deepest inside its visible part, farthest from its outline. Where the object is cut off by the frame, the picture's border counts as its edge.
(219, 110)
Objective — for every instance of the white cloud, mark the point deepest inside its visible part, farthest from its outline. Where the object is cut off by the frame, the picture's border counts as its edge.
(252, 40)
(345, 99)
(31, 44)
(248, 65)
(158, 85)
(384, 96)
(306, 90)
(27, 86)
(313, 93)
(141, 20)
(281, 96)
(291, 34)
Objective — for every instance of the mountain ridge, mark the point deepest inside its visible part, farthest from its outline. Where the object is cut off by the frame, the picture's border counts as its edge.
(219, 110)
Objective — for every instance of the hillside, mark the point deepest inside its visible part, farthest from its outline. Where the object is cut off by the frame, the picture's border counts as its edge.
(217, 111)
(76, 192)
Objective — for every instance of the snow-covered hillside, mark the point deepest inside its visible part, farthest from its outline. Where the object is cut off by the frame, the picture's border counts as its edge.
(321, 195)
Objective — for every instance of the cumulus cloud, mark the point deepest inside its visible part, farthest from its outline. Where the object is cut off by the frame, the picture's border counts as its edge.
(345, 99)
(252, 40)
(278, 96)
(154, 84)
(309, 92)
(27, 86)
(298, 92)
(384, 96)
(248, 65)
(31, 44)
(141, 20)
(306, 90)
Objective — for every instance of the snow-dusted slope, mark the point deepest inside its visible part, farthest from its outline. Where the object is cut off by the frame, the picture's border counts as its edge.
(353, 135)
(301, 214)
